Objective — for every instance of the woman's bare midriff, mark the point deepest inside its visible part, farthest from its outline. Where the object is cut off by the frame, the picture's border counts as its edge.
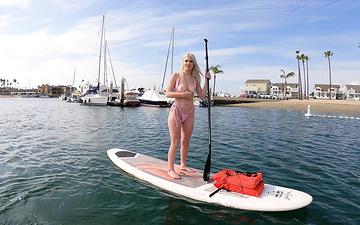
(185, 105)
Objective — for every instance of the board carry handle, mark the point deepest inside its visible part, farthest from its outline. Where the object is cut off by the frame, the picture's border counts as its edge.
(212, 194)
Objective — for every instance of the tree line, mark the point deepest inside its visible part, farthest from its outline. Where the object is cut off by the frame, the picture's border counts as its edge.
(8, 83)
(303, 85)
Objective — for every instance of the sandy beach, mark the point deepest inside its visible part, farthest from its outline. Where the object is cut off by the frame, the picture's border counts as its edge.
(317, 106)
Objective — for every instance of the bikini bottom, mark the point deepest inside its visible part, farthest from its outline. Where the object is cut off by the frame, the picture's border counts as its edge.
(180, 116)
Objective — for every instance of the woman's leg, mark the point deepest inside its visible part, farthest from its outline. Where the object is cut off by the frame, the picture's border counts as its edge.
(186, 131)
(175, 139)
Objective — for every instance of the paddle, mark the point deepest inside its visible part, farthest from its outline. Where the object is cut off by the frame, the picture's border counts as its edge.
(206, 175)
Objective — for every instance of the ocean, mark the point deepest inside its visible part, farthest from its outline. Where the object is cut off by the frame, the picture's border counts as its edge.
(54, 168)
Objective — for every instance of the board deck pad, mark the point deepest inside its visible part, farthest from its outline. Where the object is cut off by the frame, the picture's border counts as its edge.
(192, 185)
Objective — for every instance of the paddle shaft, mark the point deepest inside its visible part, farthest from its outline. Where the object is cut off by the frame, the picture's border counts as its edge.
(206, 175)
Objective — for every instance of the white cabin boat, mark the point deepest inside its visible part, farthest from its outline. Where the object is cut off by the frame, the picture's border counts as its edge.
(95, 99)
(154, 98)
(131, 98)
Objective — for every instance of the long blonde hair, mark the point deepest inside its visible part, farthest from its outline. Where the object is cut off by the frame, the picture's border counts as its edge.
(196, 72)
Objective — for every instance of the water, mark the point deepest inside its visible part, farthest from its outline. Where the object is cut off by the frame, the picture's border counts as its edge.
(54, 168)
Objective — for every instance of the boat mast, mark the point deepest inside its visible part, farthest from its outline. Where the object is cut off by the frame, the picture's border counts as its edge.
(172, 50)
(105, 66)
(112, 68)
(167, 56)
(72, 87)
(101, 40)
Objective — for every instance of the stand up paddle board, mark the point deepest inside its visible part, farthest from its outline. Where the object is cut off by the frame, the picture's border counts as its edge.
(192, 185)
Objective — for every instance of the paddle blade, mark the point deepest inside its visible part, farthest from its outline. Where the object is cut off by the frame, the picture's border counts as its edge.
(206, 175)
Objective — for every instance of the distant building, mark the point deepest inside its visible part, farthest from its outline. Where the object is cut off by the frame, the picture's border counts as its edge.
(44, 89)
(291, 90)
(321, 91)
(259, 86)
(352, 92)
(55, 90)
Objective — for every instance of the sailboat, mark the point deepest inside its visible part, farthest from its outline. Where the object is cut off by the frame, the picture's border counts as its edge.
(157, 97)
(99, 96)
(74, 94)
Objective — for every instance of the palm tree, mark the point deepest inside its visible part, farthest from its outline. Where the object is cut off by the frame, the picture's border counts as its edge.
(303, 63)
(307, 75)
(216, 70)
(298, 57)
(328, 54)
(14, 81)
(285, 77)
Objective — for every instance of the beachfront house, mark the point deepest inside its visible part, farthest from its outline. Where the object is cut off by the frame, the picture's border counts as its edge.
(352, 92)
(321, 91)
(257, 86)
(54, 90)
(291, 90)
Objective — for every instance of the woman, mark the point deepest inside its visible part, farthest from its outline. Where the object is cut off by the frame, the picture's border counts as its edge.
(182, 87)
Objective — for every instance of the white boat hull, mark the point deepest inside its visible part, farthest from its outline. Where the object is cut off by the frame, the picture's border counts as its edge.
(94, 100)
(154, 98)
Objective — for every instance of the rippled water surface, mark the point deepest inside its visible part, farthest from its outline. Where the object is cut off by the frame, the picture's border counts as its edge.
(54, 168)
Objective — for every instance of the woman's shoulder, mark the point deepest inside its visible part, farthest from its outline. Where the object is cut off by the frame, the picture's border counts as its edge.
(175, 76)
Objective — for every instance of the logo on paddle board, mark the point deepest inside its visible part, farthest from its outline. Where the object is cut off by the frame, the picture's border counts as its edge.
(281, 194)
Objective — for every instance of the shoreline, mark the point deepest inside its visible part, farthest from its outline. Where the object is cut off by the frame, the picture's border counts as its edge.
(345, 107)
(317, 106)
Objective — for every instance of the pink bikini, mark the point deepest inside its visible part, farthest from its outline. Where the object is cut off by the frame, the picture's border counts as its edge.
(180, 116)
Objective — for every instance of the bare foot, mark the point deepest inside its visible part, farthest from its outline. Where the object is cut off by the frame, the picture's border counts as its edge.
(187, 169)
(173, 174)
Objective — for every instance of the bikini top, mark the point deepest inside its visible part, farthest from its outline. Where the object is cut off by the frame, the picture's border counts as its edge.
(184, 87)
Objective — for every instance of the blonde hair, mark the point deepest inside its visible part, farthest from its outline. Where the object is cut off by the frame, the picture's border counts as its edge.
(196, 69)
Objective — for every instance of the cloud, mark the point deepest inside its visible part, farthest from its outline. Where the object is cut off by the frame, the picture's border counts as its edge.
(47, 57)
(236, 51)
(4, 21)
(73, 5)
(15, 3)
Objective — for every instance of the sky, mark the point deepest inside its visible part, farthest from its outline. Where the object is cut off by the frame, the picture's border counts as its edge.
(43, 42)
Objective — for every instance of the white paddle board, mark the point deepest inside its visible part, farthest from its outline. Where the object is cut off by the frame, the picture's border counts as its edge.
(192, 185)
